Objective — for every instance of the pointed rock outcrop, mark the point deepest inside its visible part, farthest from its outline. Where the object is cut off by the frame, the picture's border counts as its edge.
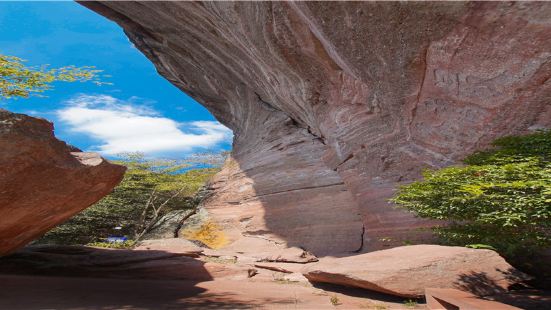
(43, 181)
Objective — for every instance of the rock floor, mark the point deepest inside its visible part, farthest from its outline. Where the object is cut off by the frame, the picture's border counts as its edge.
(48, 292)
(88, 278)
(184, 277)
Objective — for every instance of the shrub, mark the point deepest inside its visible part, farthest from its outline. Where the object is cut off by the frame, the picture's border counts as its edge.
(500, 199)
(410, 303)
(209, 233)
(20, 81)
(335, 300)
(128, 244)
(149, 190)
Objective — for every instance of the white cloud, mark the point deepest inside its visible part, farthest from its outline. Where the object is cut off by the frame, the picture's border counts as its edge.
(124, 126)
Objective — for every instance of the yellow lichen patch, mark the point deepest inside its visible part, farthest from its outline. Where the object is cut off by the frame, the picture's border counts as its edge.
(208, 233)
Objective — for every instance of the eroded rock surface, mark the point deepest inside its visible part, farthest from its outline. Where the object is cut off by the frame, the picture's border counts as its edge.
(43, 181)
(60, 277)
(335, 103)
(407, 271)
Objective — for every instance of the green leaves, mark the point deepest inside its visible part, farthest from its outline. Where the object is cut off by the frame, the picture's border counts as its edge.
(502, 198)
(19, 81)
(150, 189)
(513, 149)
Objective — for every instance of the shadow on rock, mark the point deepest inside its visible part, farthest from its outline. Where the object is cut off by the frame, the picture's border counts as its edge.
(65, 277)
(358, 292)
(80, 261)
(483, 286)
(31, 292)
(480, 284)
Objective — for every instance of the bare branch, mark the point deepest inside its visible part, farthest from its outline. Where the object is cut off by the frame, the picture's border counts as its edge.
(156, 211)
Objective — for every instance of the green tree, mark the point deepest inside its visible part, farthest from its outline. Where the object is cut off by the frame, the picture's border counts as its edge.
(500, 198)
(149, 190)
(20, 81)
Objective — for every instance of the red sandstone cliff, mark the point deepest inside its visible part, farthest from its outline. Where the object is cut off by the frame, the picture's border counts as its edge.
(335, 103)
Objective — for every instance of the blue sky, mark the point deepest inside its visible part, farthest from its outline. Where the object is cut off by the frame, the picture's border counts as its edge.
(141, 111)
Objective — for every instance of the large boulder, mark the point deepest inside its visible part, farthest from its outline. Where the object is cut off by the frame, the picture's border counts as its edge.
(44, 181)
(406, 271)
(333, 104)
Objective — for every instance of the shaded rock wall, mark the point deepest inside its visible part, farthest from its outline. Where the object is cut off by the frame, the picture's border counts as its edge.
(333, 104)
(43, 181)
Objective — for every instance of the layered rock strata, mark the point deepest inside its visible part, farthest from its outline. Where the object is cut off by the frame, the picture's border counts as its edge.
(334, 104)
(44, 181)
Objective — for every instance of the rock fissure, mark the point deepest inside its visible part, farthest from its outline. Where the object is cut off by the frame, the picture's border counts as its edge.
(362, 236)
(266, 104)
(298, 189)
(319, 138)
(349, 157)
(419, 92)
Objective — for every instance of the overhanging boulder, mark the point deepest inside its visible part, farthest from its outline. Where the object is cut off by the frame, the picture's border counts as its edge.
(43, 181)
(334, 104)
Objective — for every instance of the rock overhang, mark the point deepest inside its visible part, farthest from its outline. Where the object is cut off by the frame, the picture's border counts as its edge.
(333, 104)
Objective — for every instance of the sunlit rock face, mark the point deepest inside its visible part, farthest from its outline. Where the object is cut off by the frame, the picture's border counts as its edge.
(408, 270)
(43, 181)
(335, 104)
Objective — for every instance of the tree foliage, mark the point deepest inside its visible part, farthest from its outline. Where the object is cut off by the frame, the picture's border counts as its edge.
(150, 189)
(20, 81)
(500, 198)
